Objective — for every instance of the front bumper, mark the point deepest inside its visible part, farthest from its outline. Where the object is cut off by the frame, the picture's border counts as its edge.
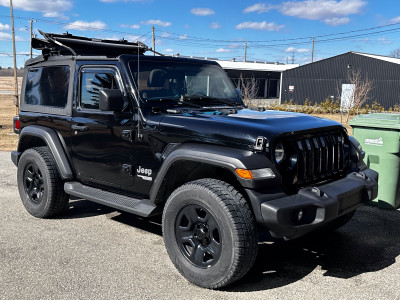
(293, 216)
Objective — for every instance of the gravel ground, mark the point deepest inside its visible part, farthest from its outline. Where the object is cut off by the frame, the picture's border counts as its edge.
(95, 252)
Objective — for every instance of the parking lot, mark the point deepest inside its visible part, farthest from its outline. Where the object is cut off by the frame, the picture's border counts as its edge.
(95, 252)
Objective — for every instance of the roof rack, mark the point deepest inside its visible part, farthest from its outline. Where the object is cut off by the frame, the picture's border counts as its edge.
(67, 44)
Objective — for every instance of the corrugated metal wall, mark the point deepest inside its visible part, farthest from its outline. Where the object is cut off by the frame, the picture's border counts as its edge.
(323, 79)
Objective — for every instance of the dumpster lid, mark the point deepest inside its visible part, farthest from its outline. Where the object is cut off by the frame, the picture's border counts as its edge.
(388, 121)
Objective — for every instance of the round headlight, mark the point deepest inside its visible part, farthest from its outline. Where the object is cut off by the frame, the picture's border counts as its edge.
(279, 153)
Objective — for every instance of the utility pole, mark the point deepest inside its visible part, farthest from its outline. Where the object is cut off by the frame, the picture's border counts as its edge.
(293, 57)
(312, 51)
(15, 59)
(31, 28)
(245, 52)
(154, 41)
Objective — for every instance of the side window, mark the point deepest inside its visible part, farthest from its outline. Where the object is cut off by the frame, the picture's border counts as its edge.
(92, 82)
(47, 86)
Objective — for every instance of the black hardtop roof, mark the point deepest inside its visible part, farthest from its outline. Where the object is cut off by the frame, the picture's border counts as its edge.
(68, 44)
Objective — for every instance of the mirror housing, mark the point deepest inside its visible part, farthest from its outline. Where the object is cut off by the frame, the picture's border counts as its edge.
(111, 100)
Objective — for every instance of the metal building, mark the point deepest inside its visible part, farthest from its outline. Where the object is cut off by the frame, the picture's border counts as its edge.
(268, 75)
(327, 78)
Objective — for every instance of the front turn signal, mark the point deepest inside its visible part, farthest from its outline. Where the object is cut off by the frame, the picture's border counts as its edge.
(245, 174)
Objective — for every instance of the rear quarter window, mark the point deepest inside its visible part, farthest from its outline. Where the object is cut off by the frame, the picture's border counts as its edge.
(47, 86)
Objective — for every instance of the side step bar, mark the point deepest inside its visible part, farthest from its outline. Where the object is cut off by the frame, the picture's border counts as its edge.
(141, 207)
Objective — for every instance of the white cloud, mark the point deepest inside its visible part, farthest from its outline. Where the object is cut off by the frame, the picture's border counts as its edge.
(259, 8)
(271, 26)
(83, 25)
(183, 37)
(112, 1)
(202, 11)
(4, 26)
(337, 21)
(55, 14)
(235, 46)
(395, 20)
(332, 12)
(169, 50)
(321, 9)
(222, 50)
(215, 25)
(300, 50)
(4, 36)
(157, 23)
(49, 8)
(165, 35)
(384, 41)
(135, 38)
(133, 26)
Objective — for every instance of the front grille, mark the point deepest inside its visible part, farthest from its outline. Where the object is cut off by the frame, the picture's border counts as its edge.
(311, 158)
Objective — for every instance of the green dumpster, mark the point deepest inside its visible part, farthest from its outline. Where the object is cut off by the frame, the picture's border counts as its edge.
(379, 135)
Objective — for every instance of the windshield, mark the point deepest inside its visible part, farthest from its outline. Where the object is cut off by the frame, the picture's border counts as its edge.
(204, 84)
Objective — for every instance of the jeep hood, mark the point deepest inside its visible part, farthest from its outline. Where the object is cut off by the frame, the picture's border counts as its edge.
(238, 129)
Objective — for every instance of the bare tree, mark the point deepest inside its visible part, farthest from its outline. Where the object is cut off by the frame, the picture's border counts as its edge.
(249, 87)
(395, 53)
(359, 92)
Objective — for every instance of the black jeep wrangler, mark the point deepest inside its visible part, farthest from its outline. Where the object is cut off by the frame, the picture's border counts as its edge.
(149, 135)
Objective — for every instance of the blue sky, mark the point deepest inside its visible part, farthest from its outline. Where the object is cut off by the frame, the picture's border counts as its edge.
(274, 30)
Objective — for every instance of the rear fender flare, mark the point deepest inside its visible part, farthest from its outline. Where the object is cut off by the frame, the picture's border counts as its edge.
(50, 137)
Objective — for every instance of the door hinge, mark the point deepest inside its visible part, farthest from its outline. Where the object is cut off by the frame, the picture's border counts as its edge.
(127, 168)
(127, 135)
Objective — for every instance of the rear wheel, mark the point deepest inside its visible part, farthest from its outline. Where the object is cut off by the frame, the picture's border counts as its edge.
(39, 183)
(210, 233)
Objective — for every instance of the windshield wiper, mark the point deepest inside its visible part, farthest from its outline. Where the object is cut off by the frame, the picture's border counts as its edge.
(179, 100)
(220, 100)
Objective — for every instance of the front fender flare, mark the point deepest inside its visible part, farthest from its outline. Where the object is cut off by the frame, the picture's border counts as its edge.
(221, 156)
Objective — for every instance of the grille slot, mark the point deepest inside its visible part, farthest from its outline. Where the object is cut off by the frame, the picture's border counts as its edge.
(320, 156)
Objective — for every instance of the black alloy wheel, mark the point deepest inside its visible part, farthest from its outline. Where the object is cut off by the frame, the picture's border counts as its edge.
(33, 183)
(198, 235)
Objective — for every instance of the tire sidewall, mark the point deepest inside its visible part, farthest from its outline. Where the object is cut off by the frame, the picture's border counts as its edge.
(215, 274)
(32, 157)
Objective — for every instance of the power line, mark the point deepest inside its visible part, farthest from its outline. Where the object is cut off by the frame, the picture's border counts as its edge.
(284, 40)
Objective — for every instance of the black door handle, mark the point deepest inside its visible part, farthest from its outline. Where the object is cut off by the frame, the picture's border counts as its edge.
(79, 127)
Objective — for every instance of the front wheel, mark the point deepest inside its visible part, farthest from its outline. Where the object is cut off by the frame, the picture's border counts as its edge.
(210, 233)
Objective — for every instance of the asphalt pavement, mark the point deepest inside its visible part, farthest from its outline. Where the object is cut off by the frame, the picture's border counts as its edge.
(95, 252)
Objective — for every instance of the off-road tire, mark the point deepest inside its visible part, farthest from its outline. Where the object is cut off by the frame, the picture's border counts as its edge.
(213, 207)
(39, 183)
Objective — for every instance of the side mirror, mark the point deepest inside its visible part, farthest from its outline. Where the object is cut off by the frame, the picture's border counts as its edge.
(111, 100)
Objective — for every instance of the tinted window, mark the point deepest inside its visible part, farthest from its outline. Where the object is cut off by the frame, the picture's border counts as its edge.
(176, 79)
(92, 83)
(47, 86)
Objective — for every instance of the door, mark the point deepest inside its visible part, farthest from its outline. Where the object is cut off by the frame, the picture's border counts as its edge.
(101, 141)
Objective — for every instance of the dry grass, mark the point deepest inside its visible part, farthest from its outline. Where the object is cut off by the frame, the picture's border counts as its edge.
(7, 83)
(336, 117)
(9, 140)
